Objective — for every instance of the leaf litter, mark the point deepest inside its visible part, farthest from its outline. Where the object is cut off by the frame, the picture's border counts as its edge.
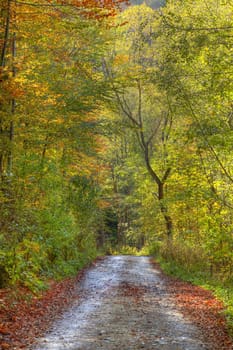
(128, 300)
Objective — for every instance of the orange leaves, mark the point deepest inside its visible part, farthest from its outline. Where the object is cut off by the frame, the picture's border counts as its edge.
(130, 290)
(10, 89)
(26, 317)
(102, 204)
(203, 309)
(3, 329)
(121, 59)
(97, 9)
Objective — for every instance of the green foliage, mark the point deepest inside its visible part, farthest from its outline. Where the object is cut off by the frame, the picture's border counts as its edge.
(126, 250)
(182, 61)
(106, 142)
(193, 265)
(49, 142)
(191, 258)
(152, 248)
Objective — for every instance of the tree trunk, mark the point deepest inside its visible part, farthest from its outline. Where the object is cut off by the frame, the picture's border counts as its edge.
(2, 65)
(144, 143)
(6, 35)
(13, 105)
(164, 210)
(160, 183)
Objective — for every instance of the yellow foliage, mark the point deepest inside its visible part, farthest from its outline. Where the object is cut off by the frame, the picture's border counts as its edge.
(121, 59)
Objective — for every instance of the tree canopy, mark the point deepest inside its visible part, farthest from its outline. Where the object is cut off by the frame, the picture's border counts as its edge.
(116, 129)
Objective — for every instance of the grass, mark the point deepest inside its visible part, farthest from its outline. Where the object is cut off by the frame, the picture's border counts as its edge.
(222, 290)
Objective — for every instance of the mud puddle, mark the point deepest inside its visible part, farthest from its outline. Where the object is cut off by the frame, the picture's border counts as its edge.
(124, 306)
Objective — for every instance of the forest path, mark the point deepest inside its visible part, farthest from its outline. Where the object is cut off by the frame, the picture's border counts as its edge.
(124, 305)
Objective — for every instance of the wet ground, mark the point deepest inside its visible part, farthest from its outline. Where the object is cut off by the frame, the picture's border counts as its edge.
(124, 306)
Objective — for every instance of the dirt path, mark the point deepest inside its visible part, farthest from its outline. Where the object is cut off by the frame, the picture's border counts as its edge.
(125, 306)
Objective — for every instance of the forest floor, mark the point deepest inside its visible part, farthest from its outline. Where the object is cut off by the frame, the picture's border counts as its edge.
(120, 302)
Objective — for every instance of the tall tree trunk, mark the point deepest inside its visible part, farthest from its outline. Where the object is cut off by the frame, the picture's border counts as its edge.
(6, 32)
(164, 210)
(13, 105)
(6, 35)
(160, 194)
(145, 141)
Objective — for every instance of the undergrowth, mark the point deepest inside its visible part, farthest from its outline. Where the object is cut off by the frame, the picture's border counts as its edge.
(126, 250)
(191, 265)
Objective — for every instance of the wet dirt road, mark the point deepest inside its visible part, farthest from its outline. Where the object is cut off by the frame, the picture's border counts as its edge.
(124, 306)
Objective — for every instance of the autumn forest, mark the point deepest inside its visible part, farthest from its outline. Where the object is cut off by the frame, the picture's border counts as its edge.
(116, 135)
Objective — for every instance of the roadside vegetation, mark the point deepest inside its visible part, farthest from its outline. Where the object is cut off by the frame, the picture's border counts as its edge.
(116, 134)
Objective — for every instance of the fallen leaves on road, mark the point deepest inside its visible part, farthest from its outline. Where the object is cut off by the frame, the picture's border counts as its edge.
(130, 290)
(25, 317)
(202, 308)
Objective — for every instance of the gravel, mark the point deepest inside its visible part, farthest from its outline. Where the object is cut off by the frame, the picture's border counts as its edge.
(123, 304)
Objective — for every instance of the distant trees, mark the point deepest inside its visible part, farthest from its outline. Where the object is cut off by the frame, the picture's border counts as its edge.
(140, 102)
(171, 77)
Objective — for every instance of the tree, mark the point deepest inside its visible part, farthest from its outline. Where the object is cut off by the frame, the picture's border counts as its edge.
(148, 116)
(193, 56)
(52, 104)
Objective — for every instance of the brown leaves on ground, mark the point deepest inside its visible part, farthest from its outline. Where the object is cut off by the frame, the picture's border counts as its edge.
(130, 290)
(203, 309)
(25, 317)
